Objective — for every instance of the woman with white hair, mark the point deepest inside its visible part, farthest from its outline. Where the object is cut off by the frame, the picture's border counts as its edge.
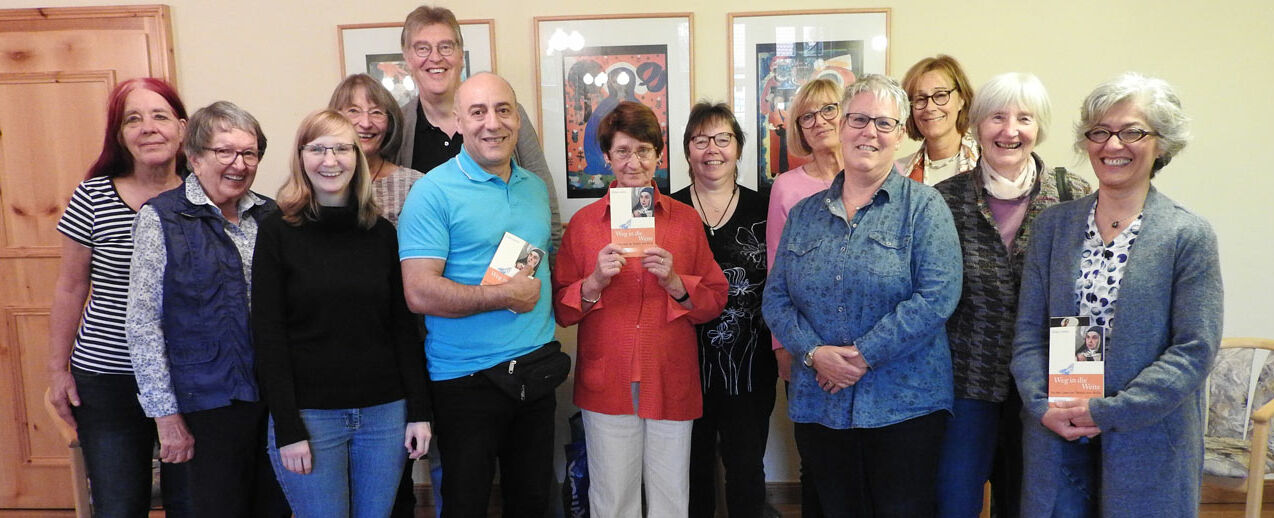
(993, 206)
(865, 276)
(1138, 450)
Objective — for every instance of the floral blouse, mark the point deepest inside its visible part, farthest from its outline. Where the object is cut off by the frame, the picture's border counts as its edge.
(1101, 269)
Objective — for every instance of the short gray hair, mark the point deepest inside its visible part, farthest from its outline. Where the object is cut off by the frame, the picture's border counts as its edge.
(217, 117)
(884, 88)
(1014, 89)
(1157, 101)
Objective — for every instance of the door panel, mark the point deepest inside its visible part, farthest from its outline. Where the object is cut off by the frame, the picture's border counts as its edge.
(57, 67)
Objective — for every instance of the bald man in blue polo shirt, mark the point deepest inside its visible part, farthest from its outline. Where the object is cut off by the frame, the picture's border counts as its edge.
(451, 224)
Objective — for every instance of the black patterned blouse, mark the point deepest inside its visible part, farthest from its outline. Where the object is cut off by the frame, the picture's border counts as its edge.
(734, 349)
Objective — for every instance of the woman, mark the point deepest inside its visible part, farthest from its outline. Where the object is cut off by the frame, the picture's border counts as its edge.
(91, 378)
(379, 122)
(636, 378)
(940, 96)
(1011, 185)
(1144, 452)
(187, 319)
(334, 337)
(815, 134)
(865, 277)
(1090, 350)
(736, 364)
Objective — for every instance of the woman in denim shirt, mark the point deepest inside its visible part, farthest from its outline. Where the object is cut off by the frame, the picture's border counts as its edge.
(866, 275)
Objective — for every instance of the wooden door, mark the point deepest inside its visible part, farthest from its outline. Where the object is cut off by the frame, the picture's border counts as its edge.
(57, 67)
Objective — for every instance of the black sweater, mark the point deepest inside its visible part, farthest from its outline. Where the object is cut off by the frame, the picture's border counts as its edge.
(330, 324)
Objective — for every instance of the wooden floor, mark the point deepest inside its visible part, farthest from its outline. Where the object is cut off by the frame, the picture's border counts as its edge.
(789, 511)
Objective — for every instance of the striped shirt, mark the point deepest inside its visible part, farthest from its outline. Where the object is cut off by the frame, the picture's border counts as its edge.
(99, 219)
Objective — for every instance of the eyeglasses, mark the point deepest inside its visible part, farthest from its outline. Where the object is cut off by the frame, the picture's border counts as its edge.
(720, 139)
(940, 98)
(642, 153)
(1126, 135)
(227, 156)
(320, 151)
(375, 114)
(861, 120)
(828, 112)
(445, 48)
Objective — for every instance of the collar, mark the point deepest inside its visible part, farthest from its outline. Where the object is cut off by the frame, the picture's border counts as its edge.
(476, 174)
(660, 204)
(832, 196)
(196, 195)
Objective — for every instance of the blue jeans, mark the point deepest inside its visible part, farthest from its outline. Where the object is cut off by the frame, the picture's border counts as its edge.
(965, 462)
(1079, 495)
(118, 443)
(358, 457)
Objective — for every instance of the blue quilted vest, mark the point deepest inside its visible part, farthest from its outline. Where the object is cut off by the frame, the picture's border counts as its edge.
(205, 311)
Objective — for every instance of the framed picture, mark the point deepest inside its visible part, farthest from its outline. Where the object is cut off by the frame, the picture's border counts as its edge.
(375, 49)
(586, 66)
(771, 54)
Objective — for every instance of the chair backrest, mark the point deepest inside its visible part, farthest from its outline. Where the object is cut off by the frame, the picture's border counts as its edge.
(1242, 379)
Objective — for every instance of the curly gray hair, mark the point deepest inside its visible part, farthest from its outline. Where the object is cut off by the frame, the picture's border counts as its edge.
(1157, 101)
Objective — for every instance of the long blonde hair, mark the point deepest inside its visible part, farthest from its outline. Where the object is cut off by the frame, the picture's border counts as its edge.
(296, 197)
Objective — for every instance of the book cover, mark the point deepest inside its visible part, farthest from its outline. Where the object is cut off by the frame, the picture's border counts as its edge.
(1076, 365)
(632, 219)
(513, 255)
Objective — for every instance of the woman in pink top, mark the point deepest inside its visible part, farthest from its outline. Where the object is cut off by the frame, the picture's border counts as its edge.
(816, 133)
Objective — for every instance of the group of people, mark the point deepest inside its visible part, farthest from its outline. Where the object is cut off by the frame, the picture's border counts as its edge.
(273, 348)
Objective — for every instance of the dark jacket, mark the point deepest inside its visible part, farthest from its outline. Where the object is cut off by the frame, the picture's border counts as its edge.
(205, 297)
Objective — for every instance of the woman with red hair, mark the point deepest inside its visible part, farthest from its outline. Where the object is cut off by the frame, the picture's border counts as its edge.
(91, 383)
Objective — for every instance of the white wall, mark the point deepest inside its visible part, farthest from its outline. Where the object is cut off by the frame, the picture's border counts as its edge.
(279, 59)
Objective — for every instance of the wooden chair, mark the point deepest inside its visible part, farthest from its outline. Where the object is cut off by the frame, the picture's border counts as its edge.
(1240, 405)
(79, 475)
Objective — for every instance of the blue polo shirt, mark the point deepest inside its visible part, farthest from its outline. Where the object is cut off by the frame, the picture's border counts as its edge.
(458, 213)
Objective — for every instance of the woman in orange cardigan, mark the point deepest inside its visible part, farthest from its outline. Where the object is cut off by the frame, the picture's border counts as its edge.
(637, 371)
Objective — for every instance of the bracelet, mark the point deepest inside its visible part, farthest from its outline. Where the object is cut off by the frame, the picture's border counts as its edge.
(684, 297)
(585, 299)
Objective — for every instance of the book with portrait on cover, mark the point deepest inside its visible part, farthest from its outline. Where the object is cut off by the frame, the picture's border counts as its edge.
(1076, 368)
(632, 219)
(513, 254)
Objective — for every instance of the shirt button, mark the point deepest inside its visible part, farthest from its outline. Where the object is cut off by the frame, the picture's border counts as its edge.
(838, 277)
(855, 225)
(840, 309)
(843, 248)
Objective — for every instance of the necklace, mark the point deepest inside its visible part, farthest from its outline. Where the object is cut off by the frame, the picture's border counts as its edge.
(712, 229)
(376, 171)
(1115, 223)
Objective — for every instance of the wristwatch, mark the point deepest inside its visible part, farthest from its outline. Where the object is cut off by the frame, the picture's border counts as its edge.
(808, 360)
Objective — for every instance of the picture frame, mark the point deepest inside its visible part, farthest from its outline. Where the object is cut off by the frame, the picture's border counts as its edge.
(585, 65)
(375, 49)
(789, 48)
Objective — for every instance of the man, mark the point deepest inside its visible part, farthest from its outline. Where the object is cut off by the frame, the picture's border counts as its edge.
(434, 50)
(450, 226)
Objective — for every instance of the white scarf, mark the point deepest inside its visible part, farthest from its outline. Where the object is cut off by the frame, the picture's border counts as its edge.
(1002, 188)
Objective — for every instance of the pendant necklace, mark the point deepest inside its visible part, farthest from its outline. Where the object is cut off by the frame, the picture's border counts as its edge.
(712, 229)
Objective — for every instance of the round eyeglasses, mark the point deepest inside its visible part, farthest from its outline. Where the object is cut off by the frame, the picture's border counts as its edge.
(722, 140)
(227, 156)
(445, 48)
(1126, 135)
(828, 112)
(861, 120)
(376, 114)
(939, 98)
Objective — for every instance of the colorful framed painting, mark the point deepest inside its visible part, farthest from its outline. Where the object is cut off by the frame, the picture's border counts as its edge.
(585, 67)
(375, 49)
(771, 54)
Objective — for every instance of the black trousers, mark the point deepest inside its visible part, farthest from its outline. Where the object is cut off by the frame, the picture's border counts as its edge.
(476, 424)
(737, 428)
(1006, 468)
(230, 475)
(890, 471)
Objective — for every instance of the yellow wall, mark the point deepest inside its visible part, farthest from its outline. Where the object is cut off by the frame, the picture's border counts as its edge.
(278, 59)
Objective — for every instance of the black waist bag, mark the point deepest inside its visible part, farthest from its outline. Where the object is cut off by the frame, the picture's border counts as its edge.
(532, 375)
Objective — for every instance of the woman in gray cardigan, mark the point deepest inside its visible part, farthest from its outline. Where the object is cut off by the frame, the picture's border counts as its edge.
(1137, 451)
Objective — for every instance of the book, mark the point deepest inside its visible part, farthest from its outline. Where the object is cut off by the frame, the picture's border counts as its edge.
(511, 256)
(632, 219)
(1076, 365)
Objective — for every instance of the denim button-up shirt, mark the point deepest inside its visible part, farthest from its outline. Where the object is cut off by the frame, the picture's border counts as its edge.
(885, 281)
